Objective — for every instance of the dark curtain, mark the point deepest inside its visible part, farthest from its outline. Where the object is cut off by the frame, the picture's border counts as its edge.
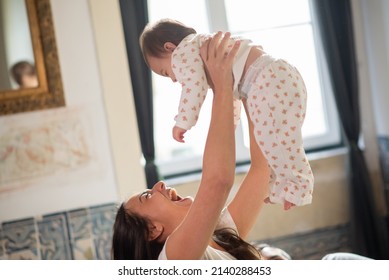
(135, 17)
(368, 231)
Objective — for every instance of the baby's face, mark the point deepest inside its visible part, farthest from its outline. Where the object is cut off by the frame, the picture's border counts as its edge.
(162, 66)
(30, 81)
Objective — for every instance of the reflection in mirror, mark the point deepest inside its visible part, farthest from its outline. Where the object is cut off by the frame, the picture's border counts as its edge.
(27, 44)
(24, 74)
(15, 46)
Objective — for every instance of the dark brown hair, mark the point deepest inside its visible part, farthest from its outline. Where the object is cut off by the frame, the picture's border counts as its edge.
(131, 233)
(229, 240)
(130, 239)
(155, 35)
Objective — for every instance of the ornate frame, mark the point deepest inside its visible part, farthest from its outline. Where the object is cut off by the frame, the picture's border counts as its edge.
(49, 93)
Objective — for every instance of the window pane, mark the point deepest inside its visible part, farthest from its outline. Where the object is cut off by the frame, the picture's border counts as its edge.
(296, 45)
(189, 12)
(286, 33)
(166, 98)
(262, 14)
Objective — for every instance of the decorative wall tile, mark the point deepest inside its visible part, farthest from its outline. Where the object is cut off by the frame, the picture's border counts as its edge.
(80, 228)
(20, 240)
(2, 250)
(24, 255)
(53, 237)
(383, 144)
(102, 221)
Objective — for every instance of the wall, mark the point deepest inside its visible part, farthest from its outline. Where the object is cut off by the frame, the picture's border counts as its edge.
(98, 94)
(61, 158)
(117, 89)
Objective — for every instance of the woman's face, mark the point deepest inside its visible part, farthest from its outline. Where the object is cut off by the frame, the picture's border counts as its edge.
(162, 205)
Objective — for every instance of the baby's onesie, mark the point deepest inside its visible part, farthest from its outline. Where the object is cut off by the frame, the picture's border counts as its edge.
(276, 98)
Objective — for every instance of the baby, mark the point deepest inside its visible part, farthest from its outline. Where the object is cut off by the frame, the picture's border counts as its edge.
(272, 91)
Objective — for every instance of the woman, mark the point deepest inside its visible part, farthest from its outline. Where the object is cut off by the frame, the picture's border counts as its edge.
(159, 224)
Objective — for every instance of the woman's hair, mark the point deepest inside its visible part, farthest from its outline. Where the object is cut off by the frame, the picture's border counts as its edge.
(130, 239)
(154, 36)
(131, 233)
(229, 240)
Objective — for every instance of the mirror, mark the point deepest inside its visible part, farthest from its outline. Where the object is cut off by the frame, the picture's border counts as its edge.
(34, 48)
(15, 44)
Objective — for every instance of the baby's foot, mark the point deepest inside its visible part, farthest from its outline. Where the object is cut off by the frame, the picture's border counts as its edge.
(287, 204)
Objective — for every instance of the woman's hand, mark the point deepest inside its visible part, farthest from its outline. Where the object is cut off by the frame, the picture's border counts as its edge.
(218, 61)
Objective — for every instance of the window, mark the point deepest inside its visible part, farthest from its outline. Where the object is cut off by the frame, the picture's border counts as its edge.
(284, 29)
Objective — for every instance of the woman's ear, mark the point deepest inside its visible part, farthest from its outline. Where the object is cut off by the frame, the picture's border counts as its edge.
(169, 46)
(155, 231)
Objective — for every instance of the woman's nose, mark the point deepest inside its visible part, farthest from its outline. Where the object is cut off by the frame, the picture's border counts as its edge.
(160, 186)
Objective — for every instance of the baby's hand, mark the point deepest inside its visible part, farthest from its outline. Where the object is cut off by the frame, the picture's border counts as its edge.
(178, 134)
(287, 204)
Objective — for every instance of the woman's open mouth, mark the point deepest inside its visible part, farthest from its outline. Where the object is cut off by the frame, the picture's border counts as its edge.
(172, 194)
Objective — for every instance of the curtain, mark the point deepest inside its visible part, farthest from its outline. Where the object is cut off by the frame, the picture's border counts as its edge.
(368, 230)
(134, 18)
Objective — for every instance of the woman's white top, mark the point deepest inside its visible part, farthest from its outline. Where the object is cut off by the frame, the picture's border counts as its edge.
(210, 253)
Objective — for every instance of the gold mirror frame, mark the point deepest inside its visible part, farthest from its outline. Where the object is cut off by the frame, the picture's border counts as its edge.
(49, 93)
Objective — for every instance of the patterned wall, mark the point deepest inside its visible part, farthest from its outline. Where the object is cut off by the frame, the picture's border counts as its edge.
(79, 234)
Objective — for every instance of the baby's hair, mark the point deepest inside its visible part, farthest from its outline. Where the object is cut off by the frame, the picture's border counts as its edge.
(20, 69)
(155, 35)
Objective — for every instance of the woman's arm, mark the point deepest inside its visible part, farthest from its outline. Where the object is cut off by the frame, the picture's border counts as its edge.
(191, 238)
(248, 201)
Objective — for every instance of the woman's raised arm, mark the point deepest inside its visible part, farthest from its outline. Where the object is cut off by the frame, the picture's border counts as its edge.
(192, 237)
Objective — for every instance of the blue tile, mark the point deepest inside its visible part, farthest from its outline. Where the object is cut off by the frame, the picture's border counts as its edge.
(102, 221)
(2, 250)
(80, 227)
(102, 218)
(53, 237)
(79, 224)
(103, 244)
(20, 239)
